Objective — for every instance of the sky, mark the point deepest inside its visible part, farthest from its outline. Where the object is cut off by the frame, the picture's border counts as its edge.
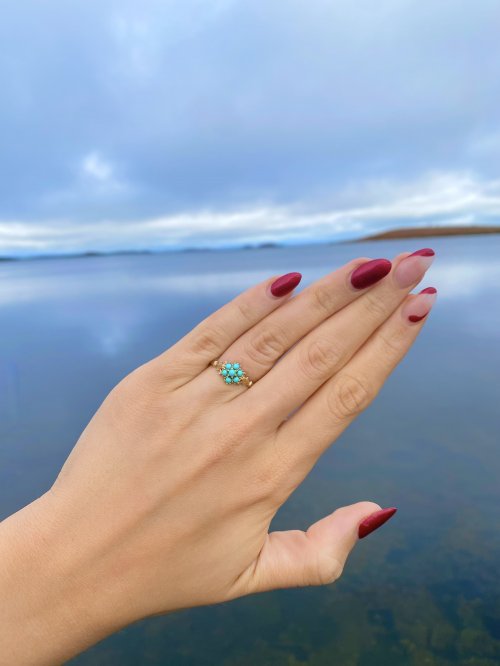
(211, 123)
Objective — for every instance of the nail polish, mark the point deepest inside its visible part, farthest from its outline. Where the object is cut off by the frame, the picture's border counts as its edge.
(370, 272)
(373, 522)
(412, 268)
(419, 307)
(424, 252)
(285, 284)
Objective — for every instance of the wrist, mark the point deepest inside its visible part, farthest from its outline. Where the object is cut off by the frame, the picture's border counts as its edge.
(57, 598)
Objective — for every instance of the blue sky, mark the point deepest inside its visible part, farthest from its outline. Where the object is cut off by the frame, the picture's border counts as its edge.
(159, 124)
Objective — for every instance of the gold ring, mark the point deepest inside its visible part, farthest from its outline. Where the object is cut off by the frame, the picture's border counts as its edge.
(232, 373)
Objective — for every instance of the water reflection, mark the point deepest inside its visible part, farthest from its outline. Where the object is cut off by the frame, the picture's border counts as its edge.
(427, 590)
(178, 274)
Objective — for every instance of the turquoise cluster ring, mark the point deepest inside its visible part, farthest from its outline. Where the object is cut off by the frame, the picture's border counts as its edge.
(232, 373)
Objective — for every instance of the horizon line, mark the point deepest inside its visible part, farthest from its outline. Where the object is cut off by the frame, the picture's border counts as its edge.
(395, 233)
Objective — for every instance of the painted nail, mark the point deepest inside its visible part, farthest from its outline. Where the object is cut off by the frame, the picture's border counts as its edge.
(370, 272)
(374, 521)
(285, 284)
(419, 307)
(413, 268)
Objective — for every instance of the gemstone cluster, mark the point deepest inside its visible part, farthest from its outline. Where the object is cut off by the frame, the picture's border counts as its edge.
(231, 373)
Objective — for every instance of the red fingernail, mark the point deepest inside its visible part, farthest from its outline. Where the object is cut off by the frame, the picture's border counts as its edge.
(420, 306)
(370, 272)
(285, 284)
(412, 268)
(374, 521)
(424, 252)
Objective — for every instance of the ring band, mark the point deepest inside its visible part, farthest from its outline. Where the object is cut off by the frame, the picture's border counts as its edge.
(232, 373)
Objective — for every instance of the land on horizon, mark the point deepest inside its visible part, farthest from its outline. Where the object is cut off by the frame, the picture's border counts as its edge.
(391, 234)
(422, 232)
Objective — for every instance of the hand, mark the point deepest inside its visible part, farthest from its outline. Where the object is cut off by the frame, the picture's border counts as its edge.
(167, 498)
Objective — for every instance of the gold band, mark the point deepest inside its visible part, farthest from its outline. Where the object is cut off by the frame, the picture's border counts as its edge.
(232, 373)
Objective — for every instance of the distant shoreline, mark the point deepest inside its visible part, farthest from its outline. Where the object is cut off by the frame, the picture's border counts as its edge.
(392, 234)
(422, 232)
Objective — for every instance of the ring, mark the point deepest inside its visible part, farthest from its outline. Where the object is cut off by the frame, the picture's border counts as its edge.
(232, 373)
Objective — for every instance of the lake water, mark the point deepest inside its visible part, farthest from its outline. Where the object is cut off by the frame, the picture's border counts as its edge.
(423, 590)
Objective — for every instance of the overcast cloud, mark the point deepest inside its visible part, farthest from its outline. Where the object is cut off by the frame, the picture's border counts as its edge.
(163, 124)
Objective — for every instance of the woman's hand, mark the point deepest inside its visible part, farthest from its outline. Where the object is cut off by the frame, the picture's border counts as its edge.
(167, 498)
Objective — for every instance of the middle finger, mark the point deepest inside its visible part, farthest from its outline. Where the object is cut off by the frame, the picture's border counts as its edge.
(329, 346)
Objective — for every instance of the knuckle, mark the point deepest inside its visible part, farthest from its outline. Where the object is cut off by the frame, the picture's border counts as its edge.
(324, 298)
(207, 341)
(329, 569)
(228, 440)
(233, 436)
(391, 342)
(235, 432)
(217, 453)
(246, 311)
(137, 383)
(241, 429)
(265, 482)
(349, 397)
(266, 345)
(319, 359)
(375, 306)
(138, 395)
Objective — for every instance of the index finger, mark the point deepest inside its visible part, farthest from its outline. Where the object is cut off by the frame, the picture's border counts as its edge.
(204, 343)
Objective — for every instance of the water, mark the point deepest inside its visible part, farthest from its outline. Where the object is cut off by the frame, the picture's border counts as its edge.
(423, 590)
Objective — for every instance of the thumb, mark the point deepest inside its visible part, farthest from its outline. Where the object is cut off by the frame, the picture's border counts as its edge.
(316, 557)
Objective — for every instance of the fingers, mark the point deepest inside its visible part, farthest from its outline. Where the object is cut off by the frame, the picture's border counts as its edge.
(327, 348)
(214, 334)
(315, 557)
(332, 408)
(262, 345)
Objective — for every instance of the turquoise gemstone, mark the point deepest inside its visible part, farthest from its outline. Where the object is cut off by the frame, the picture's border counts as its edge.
(240, 372)
(224, 372)
(228, 380)
(232, 372)
(236, 380)
(236, 366)
(228, 366)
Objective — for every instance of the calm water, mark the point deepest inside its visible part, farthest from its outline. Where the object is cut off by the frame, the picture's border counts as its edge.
(425, 589)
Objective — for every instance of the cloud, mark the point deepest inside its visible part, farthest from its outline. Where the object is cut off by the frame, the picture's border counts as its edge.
(95, 166)
(123, 113)
(437, 199)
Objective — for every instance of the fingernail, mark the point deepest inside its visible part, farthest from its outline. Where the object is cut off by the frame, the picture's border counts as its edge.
(419, 307)
(285, 284)
(374, 521)
(412, 269)
(370, 272)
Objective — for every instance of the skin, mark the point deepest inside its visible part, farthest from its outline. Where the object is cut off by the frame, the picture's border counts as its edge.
(167, 498)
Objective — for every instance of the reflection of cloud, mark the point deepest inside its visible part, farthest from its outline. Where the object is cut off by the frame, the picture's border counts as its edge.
(439, 198)
(466, 278)
(110, 299)
(454, 279)
(472, 290)
(112, 336)
(15, 290)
